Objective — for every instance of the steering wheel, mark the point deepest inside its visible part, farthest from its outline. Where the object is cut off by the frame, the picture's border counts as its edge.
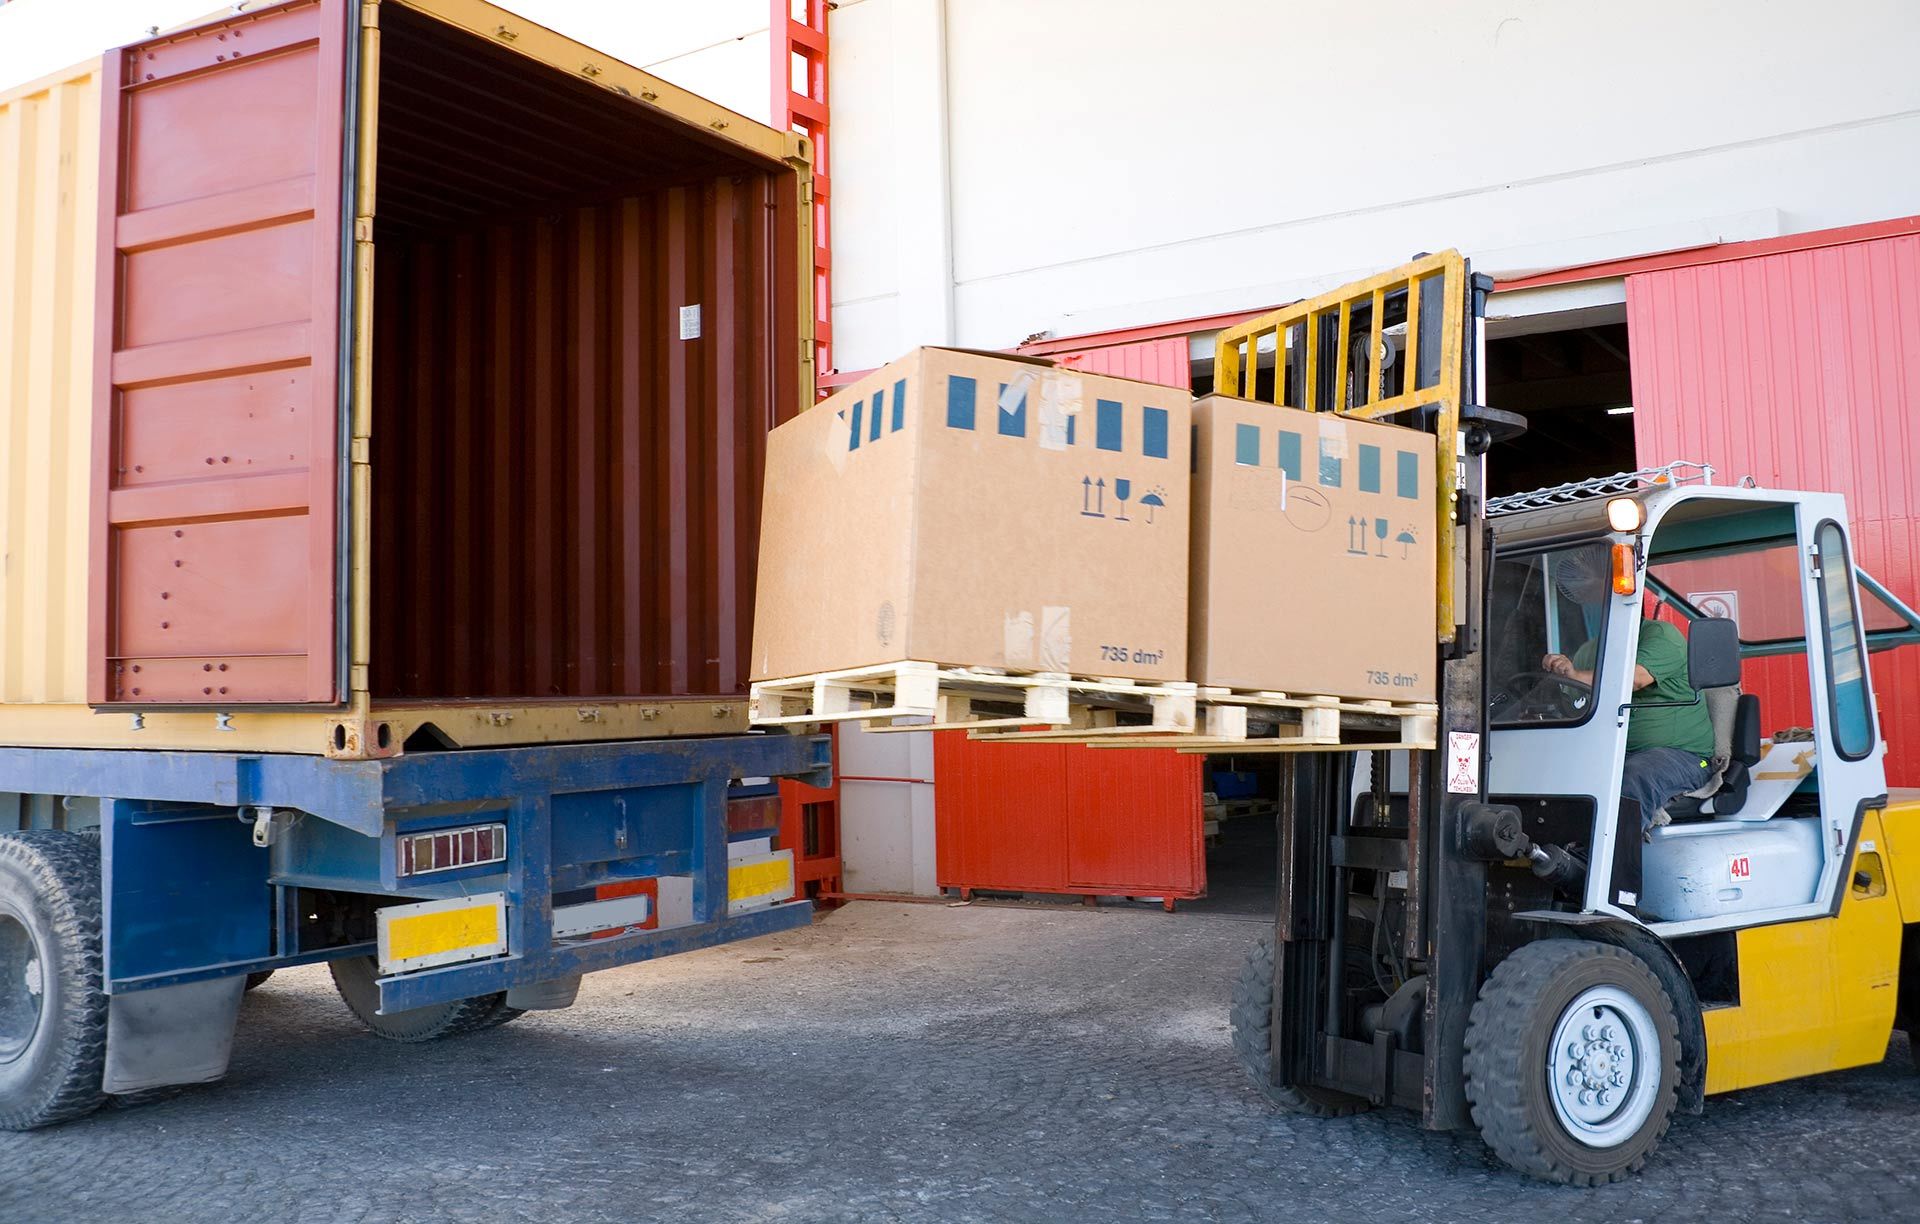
(1545, 694)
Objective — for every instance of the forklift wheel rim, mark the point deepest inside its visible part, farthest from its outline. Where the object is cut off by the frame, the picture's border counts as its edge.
(1603, 1067)
(22, 987)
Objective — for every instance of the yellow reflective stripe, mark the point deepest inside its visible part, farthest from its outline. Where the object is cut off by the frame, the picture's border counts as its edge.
(443, 931)
(760, 879)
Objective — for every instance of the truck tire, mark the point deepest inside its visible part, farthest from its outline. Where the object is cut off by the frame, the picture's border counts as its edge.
(1253, 1042)
(53, 1009)
(1572, 1061)
(354, 978)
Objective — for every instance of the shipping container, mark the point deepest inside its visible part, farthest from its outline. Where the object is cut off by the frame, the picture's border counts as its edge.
(382, 375)
(379, 377)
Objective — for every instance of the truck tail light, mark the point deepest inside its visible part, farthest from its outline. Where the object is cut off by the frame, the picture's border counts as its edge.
(445, 849)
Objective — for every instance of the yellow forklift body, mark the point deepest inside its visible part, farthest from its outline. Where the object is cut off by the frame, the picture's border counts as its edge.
(1819, 995)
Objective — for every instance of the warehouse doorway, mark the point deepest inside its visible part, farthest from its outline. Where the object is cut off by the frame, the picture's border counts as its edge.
(1570, 376)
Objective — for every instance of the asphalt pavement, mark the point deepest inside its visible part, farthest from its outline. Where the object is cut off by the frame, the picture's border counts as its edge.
(893, 1062)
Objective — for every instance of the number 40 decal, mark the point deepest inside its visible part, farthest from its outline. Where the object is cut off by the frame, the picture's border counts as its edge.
(1739, 868)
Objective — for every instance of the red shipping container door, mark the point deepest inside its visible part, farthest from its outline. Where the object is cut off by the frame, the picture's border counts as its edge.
(1060, 818)
(1801, 369)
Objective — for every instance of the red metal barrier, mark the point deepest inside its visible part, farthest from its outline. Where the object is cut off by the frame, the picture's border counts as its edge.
(810, 827)
(1058, 818)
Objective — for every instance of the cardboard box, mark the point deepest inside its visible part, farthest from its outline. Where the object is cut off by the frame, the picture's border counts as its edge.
(978, 511)
(1313, 553)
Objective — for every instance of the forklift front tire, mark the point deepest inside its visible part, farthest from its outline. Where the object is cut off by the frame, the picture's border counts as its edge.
(1573, 1061)
(1253, 1042)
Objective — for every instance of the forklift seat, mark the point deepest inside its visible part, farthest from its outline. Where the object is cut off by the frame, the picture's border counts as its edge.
(1737, 742)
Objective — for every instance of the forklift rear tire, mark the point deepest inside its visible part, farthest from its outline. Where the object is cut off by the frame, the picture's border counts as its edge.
(354, 978)
(1253, 1041)
(53, 1010)
(1573, 1061)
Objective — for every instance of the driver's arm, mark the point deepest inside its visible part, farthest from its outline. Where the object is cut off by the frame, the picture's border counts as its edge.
(1561, 665)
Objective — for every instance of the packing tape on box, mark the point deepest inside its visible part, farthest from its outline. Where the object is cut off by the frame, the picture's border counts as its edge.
(1056, 639)
(1017, 640)
(1059, 404)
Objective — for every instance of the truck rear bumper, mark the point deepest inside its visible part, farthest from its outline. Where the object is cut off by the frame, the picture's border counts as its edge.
(421, 989)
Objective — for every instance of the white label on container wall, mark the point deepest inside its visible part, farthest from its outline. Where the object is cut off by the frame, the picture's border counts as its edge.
(690, 322)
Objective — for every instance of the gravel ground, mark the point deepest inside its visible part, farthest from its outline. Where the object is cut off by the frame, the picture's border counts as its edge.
(893, 1062)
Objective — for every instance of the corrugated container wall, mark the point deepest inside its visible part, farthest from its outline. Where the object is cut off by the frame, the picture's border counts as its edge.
(49, 163)
(421, 390)
(1801, 370)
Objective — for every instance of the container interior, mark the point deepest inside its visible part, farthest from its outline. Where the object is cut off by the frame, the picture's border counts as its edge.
(582, 332)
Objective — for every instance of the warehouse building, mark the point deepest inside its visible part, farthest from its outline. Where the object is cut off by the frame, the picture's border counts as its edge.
(1706, 246)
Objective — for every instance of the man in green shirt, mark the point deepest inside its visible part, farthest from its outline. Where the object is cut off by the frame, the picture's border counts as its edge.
(1669, 747)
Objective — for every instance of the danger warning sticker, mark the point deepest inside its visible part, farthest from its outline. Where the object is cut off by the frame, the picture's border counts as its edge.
(1463, 762)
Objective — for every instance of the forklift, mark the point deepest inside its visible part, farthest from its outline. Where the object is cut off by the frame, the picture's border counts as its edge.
(1488, 933)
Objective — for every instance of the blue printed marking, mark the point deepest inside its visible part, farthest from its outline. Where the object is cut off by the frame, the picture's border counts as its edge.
(1107, 430)
(899, 406)
(1408, 476)
(1070, 421)
(1290, 454)
(853, 418)
(1153, 432)
(1013, 424)
(1246, 445)
(960, 393)
(1369, 469)
(873, 429)
(1329, 465)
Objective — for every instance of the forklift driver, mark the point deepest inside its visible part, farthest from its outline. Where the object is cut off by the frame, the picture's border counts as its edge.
(1669, 746)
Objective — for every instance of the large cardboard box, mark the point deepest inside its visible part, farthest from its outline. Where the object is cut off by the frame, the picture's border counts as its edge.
(1313, 553)
(978, 511)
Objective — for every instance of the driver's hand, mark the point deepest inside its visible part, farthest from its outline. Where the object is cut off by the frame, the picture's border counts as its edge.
(1558, 664)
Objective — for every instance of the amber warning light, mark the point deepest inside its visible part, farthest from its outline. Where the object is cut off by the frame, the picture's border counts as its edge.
(446, 849)
(1624, 580)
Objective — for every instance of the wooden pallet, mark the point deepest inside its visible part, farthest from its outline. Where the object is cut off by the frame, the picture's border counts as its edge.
(1248, 721)
(928, 697)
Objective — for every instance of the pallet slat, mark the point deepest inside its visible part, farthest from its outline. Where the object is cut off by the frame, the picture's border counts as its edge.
(1050, 707)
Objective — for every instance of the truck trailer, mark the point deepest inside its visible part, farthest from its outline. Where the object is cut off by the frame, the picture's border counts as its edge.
(384, 386)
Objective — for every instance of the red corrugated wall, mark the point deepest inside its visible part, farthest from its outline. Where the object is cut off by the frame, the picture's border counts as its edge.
(1164, 361)
(1066, 819)
(1801, 369)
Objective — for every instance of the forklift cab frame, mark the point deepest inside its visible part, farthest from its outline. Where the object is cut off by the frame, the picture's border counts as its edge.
(1760, 541)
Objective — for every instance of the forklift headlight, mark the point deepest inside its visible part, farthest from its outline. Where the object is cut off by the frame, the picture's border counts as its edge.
(1625, 514)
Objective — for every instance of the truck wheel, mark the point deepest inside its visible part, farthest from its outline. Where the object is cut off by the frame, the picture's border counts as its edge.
(53, 1011)
(354, 978)
(256, 980)
(1253, 1041)
(1572, 1061)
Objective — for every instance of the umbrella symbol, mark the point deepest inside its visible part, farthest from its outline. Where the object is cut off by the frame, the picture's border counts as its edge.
(1406, 541)
(1150, 501)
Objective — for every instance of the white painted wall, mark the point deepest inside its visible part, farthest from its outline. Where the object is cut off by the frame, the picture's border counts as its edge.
(716, 48)
(886, 827)
(1116, 162)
